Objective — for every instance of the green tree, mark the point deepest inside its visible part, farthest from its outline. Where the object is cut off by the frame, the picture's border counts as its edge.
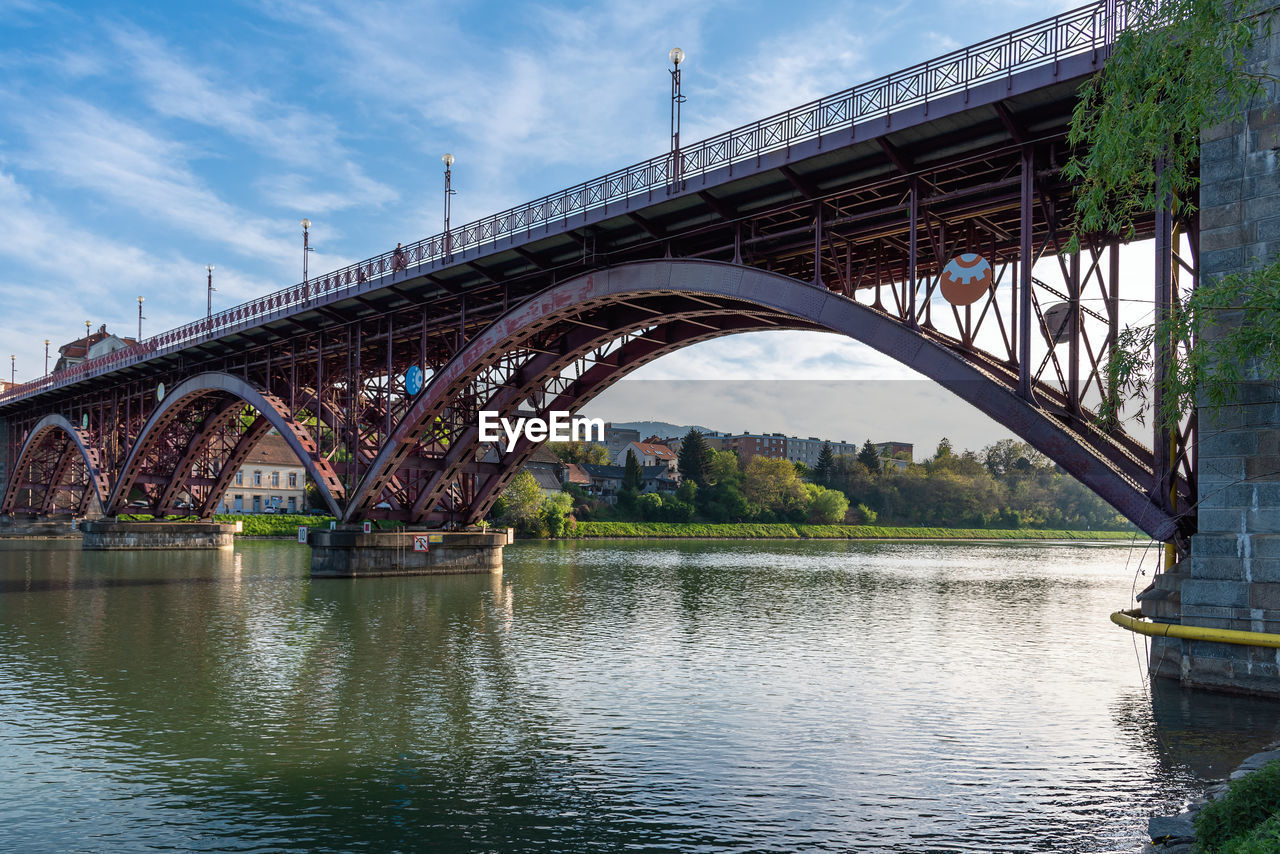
(725, 467)
(632, 476)
(722, 499)
(580, 452)
(555, 514)
(695, 456)
(522, 503)
(649, 506)
(772, 487)
(870, 457)
(826, 465)
(1179, 67)
(826, 506)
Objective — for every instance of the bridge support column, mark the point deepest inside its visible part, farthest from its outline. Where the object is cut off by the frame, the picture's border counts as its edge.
(5, 462)
(112, 535)
(35, 528)
(351, 553)
(1234, 575)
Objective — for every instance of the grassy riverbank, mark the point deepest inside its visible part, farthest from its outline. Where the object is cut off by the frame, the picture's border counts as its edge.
(782, 531)
(272, 524)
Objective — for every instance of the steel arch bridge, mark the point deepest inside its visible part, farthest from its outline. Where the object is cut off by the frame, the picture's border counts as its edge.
(839, 215)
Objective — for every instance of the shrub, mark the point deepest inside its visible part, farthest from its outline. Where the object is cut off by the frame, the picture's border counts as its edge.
(1250, 803)
(1263, 839)
(272, 524)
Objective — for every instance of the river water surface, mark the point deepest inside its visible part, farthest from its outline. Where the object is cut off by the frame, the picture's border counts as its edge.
(777, 696)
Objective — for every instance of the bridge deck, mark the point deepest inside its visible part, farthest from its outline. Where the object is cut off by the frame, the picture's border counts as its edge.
(955, 124)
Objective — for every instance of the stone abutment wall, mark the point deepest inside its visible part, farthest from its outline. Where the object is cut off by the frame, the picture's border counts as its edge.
(1234, 577)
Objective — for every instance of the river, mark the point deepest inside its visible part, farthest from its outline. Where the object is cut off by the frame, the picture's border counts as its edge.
(596, 697)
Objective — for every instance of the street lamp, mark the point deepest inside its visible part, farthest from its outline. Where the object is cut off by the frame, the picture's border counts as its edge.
(676, 56)
(46, 357)
(208, 306)
(306, 247)
(13, 370)
(87, 324)
(447, 159)
(141, 300)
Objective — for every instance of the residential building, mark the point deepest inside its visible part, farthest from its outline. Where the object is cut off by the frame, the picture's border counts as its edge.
(272, 480)
(90, 347)
(617, 438)
(897, 454)
(576, 475)
(649, 453)
(809, 450)
(547, 469)
(749, 445)
(606, 481)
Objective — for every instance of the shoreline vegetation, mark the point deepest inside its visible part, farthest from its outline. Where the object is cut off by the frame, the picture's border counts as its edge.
(786, 531)
(274, 526)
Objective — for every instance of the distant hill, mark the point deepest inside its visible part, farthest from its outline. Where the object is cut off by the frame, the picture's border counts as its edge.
(661, 429)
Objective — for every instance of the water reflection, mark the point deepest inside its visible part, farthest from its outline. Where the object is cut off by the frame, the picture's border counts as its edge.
(658, 696)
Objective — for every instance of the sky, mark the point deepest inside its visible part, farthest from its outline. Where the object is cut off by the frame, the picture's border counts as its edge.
(141, 142)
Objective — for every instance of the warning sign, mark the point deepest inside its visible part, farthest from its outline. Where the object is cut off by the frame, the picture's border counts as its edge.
(421, 543)
(435, 538)
(368, 527)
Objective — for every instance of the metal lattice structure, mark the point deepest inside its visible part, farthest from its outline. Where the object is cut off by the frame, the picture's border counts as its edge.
(839, 215)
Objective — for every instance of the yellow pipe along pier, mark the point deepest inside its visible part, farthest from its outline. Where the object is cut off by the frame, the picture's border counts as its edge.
(1133, 621)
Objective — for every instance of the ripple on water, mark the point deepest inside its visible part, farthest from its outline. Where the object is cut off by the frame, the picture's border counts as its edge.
(594, 697)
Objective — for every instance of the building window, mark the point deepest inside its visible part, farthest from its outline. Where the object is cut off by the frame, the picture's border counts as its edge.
(239, 503)
(293, 504)
(293, 478)
(257, 478)
(275, 478)
(257, 504)
(239, 478)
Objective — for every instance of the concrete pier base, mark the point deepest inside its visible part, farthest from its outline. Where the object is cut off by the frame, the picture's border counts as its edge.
(39, 529)
(110, 535)
(352, 553)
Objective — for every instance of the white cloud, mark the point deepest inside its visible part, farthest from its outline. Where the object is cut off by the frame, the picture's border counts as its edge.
(61, 274)
(179, 88)
(85, 147)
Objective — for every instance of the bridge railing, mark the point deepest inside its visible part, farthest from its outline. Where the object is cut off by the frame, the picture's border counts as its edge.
(1089, 28)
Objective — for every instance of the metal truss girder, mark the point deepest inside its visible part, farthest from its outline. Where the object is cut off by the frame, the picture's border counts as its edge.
(213, 424)
(1076, 450)
(41, 431)
(269, 406)
(540, 370)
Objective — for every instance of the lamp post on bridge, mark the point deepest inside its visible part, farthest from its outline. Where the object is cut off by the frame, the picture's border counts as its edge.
(87, 324)
(46, 357)
(13, 370)
(306, 248)
(676, 56)
(447, 159)
(208, 305)
(141, 300)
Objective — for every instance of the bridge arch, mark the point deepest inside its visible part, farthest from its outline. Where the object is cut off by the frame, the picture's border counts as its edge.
(184, 424)
(52, 447)
(653, 307)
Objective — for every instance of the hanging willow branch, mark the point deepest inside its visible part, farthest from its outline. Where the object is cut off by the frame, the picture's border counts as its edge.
(1178, 68)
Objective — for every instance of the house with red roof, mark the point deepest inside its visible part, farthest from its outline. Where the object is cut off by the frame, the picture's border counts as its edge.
(651, 452)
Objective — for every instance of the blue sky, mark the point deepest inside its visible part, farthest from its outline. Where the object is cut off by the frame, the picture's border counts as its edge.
(139, 143)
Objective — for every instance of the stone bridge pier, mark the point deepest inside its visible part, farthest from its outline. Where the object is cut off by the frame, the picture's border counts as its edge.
(1233, 577)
